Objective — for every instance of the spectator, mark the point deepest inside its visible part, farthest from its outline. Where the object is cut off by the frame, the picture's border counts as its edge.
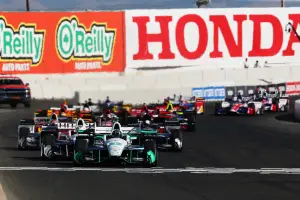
(256, 65)
(266, 64)
(246, 64)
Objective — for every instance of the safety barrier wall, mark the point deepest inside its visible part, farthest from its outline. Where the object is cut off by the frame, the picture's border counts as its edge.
(140, 87)
(297, 109)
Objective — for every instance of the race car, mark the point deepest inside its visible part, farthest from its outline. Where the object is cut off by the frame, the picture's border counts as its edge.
(275, 104)
(107, 118)
(190, 104)
(29, 130)
(186, 120)
(57, 140)
(245, 106)
(114, 144)
(167, 135)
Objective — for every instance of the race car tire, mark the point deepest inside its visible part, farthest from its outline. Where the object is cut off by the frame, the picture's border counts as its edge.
(192, 122)
(81, 145)
(217, 106)
(262, 110)
(177, 140)
(49, 139)
(150, 145)
(22, 135)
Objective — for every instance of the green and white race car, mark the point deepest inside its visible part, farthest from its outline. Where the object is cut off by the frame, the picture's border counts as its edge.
(116, 144)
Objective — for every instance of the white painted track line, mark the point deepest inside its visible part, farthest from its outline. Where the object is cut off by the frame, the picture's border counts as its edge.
(162, 170)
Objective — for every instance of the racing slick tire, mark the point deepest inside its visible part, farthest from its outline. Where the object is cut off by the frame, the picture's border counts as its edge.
(191, 122)
(22, 136)
(262, 110)
(47, 141)
(177, 140)
(217, 106)
(81, 147)
(285, 108)
(150, 146)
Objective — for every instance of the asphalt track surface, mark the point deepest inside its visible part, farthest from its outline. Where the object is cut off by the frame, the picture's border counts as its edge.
(269, 141)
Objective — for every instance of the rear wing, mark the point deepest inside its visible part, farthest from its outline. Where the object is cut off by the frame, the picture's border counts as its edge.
(31, 127)
(26, 122)
(58, 108)
(108, 130)
(40, 120)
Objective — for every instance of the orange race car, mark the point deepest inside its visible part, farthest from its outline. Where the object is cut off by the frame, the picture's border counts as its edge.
(65, 111)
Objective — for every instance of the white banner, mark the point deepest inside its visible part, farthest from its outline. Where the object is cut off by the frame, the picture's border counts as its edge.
(207, 38)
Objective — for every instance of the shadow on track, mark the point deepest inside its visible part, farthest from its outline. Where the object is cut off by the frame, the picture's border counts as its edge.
(69, 164)
(288, 117)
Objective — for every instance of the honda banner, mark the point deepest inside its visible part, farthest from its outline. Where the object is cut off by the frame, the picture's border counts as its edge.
(187, 37)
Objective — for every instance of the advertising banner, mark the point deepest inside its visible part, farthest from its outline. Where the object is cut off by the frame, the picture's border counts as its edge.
(281, 87)
(241, 90)
(293, 88)
(212, 37)
(212, 93)
(61, 42)
(229, 91)
(250, 90)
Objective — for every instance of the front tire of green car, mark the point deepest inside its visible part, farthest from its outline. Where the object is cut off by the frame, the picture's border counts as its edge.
(150, 154)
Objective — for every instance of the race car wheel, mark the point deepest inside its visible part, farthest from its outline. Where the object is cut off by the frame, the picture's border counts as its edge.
(262, 110)
(22, 135)
(81, 145)
(191, 122)
(47, 141)
(150, 154)
(217, 106)
(177, 141)
(285, 108)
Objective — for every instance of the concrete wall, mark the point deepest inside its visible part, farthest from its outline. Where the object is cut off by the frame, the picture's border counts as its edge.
(297, 109)
(145, 86)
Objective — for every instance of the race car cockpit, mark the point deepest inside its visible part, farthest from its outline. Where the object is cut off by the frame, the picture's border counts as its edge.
(117, 132)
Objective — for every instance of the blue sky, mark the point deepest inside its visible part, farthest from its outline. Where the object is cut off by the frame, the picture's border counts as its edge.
(52, 5)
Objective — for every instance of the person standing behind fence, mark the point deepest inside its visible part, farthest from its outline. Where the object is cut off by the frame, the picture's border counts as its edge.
(246, 64)
(256, 65)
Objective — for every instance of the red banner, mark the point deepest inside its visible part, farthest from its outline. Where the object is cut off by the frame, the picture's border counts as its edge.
(61, 42)
(293, 88)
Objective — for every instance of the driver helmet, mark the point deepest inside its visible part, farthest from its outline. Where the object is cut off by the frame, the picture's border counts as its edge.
(108, 114)
(86, 109)
(147, 122)
(63, 114)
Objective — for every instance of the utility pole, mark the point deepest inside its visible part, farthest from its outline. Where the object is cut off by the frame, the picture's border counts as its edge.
(282, 3)
(27, 6)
